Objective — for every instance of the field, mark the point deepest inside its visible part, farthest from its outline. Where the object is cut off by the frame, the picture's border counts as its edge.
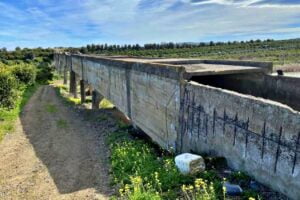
(283, 53)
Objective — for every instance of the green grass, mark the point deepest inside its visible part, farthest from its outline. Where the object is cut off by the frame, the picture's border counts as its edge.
(141, 173)
(51, 108)
(8, 117)
(62, 123)
(62, 91)
(73, 100)
(105, 104)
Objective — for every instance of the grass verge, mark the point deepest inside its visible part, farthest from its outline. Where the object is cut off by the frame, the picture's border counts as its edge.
(141, 171)
(62, 90)
(8, 117)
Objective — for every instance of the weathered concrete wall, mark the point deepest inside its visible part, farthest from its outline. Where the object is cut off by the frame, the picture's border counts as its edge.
(255, 135)
(148, 94)
(155, 102)
(60, 61)
(283, 89)
(258, 136)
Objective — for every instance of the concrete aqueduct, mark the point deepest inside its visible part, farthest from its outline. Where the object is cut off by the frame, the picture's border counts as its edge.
(232, 109)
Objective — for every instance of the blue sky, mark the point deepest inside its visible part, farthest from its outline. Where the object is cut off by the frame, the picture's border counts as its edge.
(51, 23)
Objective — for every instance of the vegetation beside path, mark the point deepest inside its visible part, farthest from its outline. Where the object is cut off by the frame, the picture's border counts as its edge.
(8, 117)
(21, 72)
(141, 170)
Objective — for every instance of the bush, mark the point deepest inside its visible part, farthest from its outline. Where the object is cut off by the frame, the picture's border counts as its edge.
(44, 73)
(8, 89)
(24, 73)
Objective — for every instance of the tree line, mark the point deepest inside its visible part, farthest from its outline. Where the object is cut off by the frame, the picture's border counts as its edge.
(92, 48)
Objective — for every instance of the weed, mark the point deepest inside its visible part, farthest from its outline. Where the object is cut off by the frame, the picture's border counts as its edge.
(61, 86)
(248, 194)
(62, 123)
(102, 118)
(240, 177)
(142, 174)
(61, 90)
(123, 126)
(51, 108)
(106, 104)
(201, 190)
(73, 100)
(138, 191)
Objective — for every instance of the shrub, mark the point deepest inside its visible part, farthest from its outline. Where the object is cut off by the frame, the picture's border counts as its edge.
(8, 89)
(24, 73)
(44, 73)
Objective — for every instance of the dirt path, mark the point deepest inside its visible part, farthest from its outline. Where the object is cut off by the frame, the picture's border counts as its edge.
(54, 154)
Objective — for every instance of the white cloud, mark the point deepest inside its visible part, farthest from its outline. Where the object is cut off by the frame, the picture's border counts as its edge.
(78, 22)
(242, 3)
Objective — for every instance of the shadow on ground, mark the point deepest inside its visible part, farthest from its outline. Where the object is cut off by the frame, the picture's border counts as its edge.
(72, 149)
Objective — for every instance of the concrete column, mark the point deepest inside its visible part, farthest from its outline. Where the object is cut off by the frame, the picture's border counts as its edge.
(96, 99)
(89, 91)
(66, 73)
(82, 91)
(72, 83)
(75, 87)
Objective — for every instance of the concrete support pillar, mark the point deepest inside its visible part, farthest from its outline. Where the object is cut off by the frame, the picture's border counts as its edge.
(65, 74)
(96, 99)
(89, 91)
(75, 87)
(82, 91)
(73, 84)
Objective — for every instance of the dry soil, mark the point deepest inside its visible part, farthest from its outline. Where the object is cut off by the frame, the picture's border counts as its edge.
(54, 153)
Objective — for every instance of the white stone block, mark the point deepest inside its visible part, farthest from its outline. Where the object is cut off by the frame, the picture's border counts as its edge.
(188, 163)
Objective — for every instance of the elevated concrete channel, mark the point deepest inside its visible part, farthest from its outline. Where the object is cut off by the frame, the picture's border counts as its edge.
(204, 106)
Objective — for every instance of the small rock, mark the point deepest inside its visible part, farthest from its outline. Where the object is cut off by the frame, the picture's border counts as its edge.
(188, 163)
(232, 189)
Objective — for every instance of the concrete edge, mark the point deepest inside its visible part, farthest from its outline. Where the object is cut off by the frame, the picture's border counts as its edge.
(246, 96)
